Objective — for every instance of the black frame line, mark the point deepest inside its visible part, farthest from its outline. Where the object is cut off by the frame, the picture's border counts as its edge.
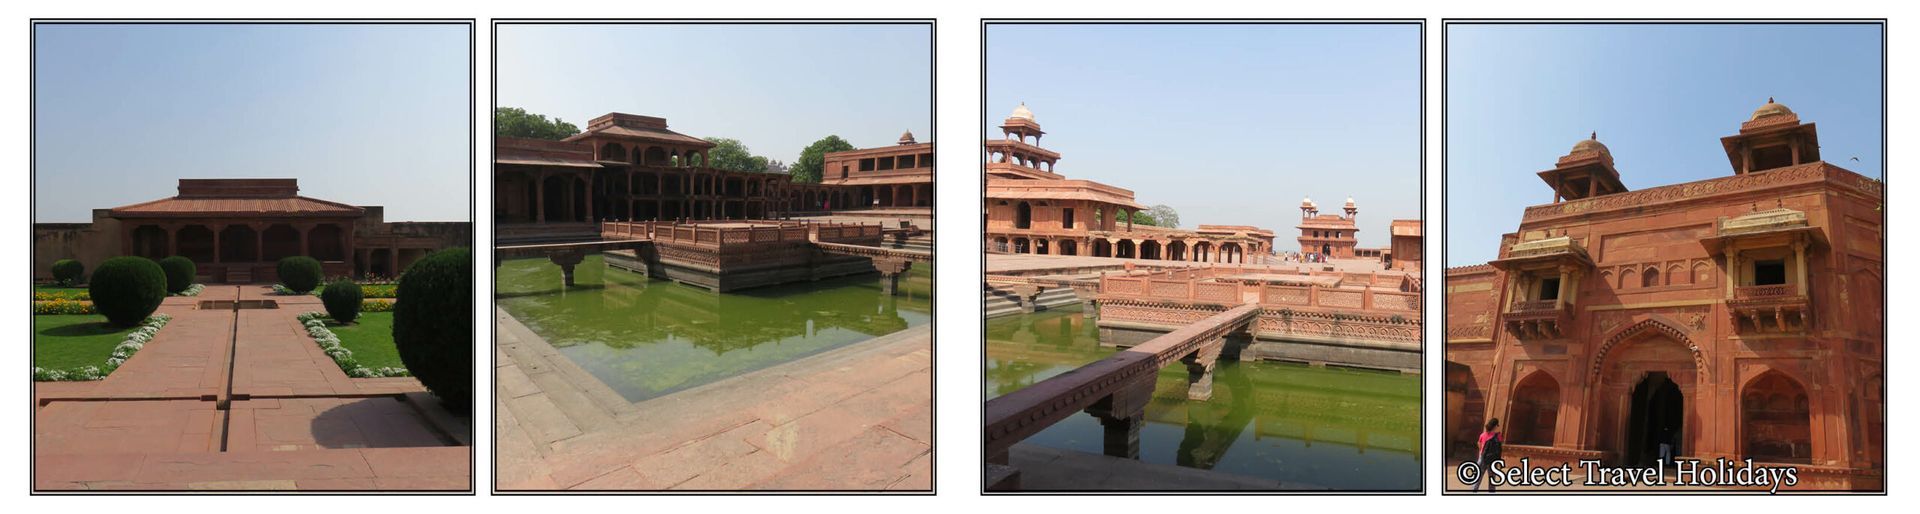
(985, 23)
(933, 321)
(1885, 250)
(32, 157)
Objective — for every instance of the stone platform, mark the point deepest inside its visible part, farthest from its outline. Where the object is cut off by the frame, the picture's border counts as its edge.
(244, 400)
(854, 418)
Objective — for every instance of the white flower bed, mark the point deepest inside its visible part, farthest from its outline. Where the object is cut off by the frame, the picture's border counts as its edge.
(192, 290)
(316, 323)
(134, 342)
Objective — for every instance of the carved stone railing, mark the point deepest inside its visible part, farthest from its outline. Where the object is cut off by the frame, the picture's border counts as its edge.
(1764, 292)
(1532, 305)
(1198, 286)
(1777, 308)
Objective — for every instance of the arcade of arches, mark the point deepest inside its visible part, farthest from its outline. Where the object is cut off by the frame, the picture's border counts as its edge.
(630, 167)
(237, 230)
(1736, 317)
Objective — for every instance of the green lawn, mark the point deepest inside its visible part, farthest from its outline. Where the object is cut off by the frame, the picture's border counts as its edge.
(370, 339)
(67, 341)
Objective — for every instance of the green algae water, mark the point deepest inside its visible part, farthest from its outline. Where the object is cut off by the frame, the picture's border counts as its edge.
(648, 338)
(1318, 427)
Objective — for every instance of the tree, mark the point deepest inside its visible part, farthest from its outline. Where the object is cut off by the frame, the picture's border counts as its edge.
(1143, 218)
(127, 289)
(1164, 216)
(731, 154)
(813, 157)
(517, 122)
(433, 325)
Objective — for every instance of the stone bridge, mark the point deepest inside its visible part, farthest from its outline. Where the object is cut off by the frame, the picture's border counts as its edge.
(890, 262)
(566, 255)
(1115, 390)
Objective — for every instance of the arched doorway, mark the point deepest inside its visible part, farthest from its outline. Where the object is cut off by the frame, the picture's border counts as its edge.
(1000, 244)
(1647, 392)
(1125, 249)
(238, 243)
(325, 244)
(1020, 245)
(1657, 417)
(554, 192)
(1069, 247)
(1177, 250)
(1465, 411)
(1535, 410)
(149, 241)
(1776, 420)
(1023, 216)
(279, 241)
(1150, 250)
(195, 242)
(1101, 248)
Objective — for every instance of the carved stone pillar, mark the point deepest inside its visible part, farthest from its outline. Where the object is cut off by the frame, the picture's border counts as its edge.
(567, 260)
(1200, 366)
(1121, 414)
(890, 270)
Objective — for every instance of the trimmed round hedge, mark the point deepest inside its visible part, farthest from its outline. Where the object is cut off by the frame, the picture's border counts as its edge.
(342, 298)
(68, 272)
(127, 289)
(180, 271)
(300, 273)
(433, 325)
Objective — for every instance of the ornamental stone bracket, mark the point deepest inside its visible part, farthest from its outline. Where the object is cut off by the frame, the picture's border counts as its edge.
(1538, 320)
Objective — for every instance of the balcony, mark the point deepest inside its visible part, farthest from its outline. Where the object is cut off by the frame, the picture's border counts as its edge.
(1769, 309)
(1532, 320)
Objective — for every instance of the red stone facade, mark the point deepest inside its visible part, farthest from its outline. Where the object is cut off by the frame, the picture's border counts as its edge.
(1032, 210)
(1328, 236)
(898, 176)
(236, 230)
(1737, 317)
(633, 168)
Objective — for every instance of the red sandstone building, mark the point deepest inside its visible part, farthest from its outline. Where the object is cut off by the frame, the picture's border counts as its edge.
(236, 230)
(633, 168)
(1032, 210)
(1737, 317)
(893, 176)
(1329, 236)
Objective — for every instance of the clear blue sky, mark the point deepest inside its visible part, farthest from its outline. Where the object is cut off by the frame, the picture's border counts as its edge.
(776, 88)
(360, 114)
(1227, 124)
(1660, 96)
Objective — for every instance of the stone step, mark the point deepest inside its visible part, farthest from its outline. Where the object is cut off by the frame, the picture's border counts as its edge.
(239, 276)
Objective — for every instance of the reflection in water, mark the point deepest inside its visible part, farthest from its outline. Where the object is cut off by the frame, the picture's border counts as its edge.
(646, 338)
(1328, 427)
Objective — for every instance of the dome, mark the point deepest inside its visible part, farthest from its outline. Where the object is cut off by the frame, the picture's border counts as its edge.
(1021, 112)
(1590, 144)
(906, 138)
(1306, 202)
(1349, 202)
(1770, 110)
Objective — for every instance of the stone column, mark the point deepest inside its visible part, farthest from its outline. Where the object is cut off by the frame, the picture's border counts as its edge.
(393, 262)
(1200, 370)
(566, 261)
(1800, 264)
(540, 198)
(890, 270)
(259, 241)
(1121, 414)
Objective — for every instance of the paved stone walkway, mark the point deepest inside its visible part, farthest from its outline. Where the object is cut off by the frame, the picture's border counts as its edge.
(294, 421)
(854, 418)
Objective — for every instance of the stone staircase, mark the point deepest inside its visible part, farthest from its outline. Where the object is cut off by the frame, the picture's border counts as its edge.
(1004, 303)
(238, 275)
